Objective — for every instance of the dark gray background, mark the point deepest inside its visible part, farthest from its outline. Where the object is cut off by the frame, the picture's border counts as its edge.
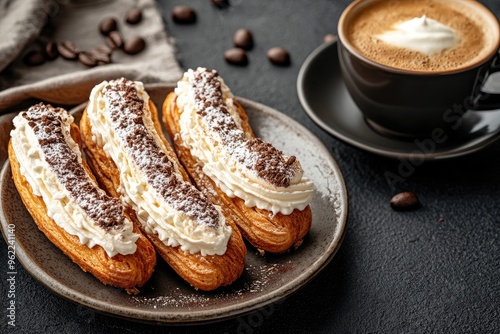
(434, 270)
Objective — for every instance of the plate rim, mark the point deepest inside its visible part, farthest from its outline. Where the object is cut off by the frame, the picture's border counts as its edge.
(461, 150)
(211, 315)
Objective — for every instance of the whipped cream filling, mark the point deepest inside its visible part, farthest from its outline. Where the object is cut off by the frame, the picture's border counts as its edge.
(62, 207)
(231, 165)
(421, 34)
(157, 214)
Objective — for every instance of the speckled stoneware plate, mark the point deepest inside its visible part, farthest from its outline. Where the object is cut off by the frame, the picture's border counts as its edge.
(166, 298)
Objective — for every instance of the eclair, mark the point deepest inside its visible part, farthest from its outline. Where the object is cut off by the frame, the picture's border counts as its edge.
(263, 190)
(61, 194)
(133, 160)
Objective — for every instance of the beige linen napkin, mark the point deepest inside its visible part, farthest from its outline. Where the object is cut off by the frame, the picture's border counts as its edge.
(65, 82)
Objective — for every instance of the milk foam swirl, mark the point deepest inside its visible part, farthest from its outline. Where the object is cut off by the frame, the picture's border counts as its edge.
(421, 34)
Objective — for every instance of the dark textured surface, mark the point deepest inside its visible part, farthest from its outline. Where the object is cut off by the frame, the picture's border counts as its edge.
(434, 270)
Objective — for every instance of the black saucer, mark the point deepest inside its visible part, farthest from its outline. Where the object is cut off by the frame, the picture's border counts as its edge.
(325, 99)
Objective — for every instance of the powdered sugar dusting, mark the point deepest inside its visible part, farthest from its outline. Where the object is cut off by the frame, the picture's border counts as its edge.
(255, 280)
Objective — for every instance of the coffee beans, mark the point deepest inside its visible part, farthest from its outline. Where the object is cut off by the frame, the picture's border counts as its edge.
(101, 56)
(278, 56)
(405, 201)
(50, 50)
(133, 16)
(107, 25)
(183, 14)
(34, 58)
(236, 56)
(114, 40)
(134, 45)
(243, 39)
(87, 59)
(68, 50)
(104, 49)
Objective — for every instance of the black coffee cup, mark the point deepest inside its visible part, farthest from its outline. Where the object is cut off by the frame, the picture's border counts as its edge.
(407, 103)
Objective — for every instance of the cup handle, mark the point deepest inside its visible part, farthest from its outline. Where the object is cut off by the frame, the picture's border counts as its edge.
(481, 100)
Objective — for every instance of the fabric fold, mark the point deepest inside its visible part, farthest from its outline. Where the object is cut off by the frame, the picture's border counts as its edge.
(66, 82)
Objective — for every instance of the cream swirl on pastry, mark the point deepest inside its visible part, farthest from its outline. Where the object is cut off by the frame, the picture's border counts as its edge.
(51, 163)
(150, 183)
(240, 165)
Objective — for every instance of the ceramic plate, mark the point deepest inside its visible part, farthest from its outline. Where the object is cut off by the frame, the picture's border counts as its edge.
(168, 299)
(325, 99)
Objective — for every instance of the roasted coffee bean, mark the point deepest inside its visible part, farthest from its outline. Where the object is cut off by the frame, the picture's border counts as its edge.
(114, 40)
(278, 56)
(134, 45)
(221, 3)
(108, 25)
(405, 201)
(100, 63)
(101, 57)
(236, 56)
(50, 50)
(133, 16)
(34, 58)
(104, 49)
(329, 38)
(183, 14)
(87, 59)
(68, 50)
(243, 38)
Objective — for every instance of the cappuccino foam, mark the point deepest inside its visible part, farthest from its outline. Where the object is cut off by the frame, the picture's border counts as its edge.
(381, 17)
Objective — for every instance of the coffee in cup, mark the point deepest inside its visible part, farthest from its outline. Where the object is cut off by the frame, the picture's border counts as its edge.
(406, 62)
(420, 35)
